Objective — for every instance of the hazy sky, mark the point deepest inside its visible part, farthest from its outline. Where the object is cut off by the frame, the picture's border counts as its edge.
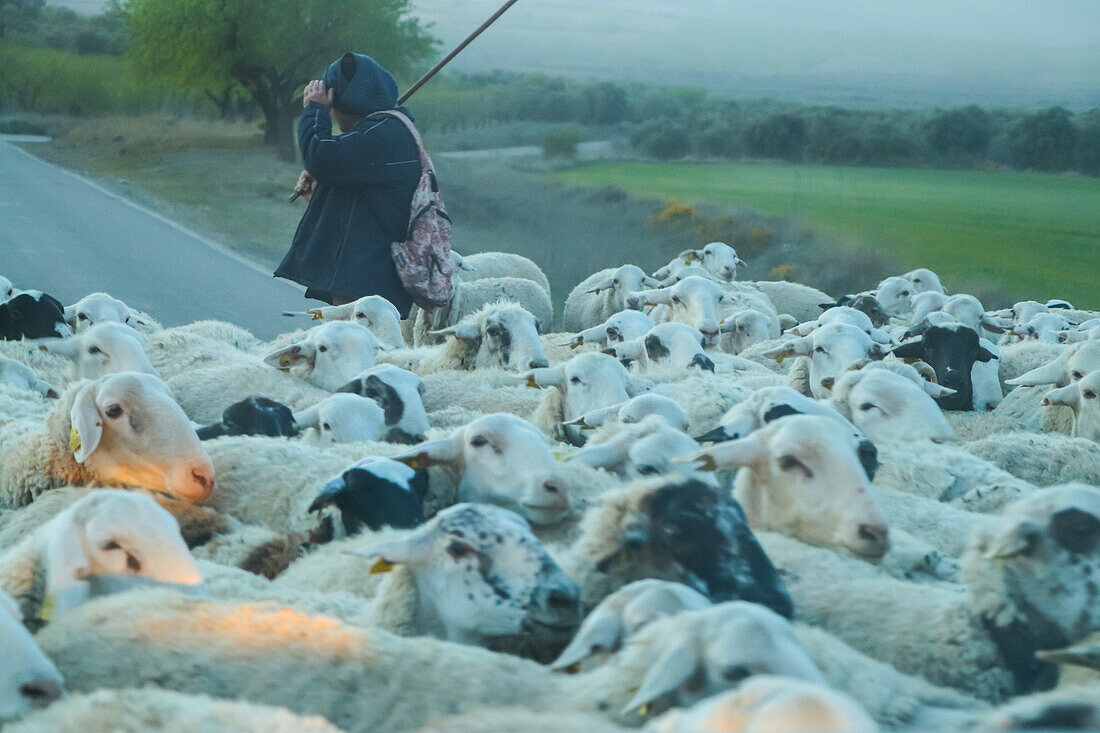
(1025, 52)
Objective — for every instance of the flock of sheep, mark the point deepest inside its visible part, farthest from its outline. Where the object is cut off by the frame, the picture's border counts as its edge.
(703, 505)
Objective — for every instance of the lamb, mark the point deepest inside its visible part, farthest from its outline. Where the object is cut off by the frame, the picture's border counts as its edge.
(669, 345)
(774, 703)
(107, 541)
(799, 462)
(895, 294)
(470, 297)
(843, 314)
(375, 493)
(28, 679)
(18, 375)
(865, 302)
(122, 429)
(623, 326)
(635, 410)
(107, 347)
(330, 356)
(602, 295)
(1042, 327)
(400, 394)
(341, 671)
(717, 258)
(747, 328)
(924, 280)
(92, 711)
(500, 264)
(584, 383)
(252, 416)
(500, 335)
(952, 351)
(1026, 588)
(699, 303)
(643, 449)
(765, 405)
(1082, 398)
(343, 418)
(831, 350)
(99, 308)
(373, 312)
(32, 314)
(887, 407)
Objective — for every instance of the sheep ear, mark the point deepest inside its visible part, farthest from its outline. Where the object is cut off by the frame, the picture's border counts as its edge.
(878, 352)
(740, 262)
(333, 312)
(935, 390)
(633, 349)
(653, 297)
(309, 418)
(881, 337)
(463, 331)
(911, 350)
(596, 334)
(991, 325)
(544, 377)
(69, 314)
(747, 451)
(433, 452)
(671, 670)
(410, 550)
(1075, 529)
(601, 632)
(604, 455)
(650, 282)
(691, 255)
(795, 347)
(1068, 395)
(984, 354)
(134, 319)
(67, 566)
(596, 418)
(1050, 373)
(299, 353)
(604, 285)
(70, 348)
(1019, 540)
(86, 424)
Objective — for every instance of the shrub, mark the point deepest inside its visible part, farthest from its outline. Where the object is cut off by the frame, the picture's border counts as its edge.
(664, 139)
(561, 142)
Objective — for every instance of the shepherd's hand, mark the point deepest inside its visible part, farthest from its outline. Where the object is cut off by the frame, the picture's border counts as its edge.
(315, 92)
(305, 185)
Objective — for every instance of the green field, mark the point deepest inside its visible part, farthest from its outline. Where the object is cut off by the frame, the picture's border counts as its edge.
(1026, 235)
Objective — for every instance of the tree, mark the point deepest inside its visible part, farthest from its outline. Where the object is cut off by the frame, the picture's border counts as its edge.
(664, 139)
(19, 15)
(780, 136)
(607, 103)
(268, 49)
(1088, 142)
(964, 130)
(1044, 141)
(561, 142)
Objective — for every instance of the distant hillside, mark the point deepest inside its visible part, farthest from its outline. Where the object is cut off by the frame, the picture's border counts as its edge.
(848, 52)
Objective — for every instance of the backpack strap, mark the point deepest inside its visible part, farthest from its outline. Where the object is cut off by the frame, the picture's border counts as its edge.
(425, 160)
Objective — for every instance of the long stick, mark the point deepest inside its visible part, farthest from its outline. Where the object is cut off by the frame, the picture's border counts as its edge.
(446, 60)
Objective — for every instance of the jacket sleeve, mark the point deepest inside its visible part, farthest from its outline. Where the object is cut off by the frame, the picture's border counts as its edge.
(358, 157)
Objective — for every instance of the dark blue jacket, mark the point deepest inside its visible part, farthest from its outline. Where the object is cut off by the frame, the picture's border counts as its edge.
(365, 183)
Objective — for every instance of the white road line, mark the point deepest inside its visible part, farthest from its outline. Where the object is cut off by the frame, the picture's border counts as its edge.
(216, 246)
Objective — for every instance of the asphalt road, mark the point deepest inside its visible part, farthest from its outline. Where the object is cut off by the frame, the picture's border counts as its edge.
(69, 236)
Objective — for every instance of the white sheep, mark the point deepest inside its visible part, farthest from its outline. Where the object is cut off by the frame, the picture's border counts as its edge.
(717, 258)
(1041, 327)
(635, 410)
(831, 350)
(1042, 459)
(799, 301)
(1083, 397)
(20, 376)
(584, 383)
(481, 265)
(646, 448)
(400, 394)
(470, 297)
(122, 429)
(623, 326)
(500, 335)
(330, 356)
(887, 407)
(924, 280)
(667, 346)
(107, 347)
(895, 294)
(602, 295)
(105, 542)
(99, 308)
(343, 418)
(28, 679)
(1025, 589)
(704, 304)
(7, 290)
(372, 312)
(747, 328)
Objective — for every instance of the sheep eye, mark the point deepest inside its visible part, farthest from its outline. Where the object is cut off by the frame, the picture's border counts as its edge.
(575, 380)
(322, 349)
(866, 406)
(110, 545)
(94, 350)
(647, 470)
(114, 411)
(1077, 375)
(459, 550)
(360, 315)
(326, 426)
(479, 441)
(819, 349)
(675, 298)
(790, 463)
(1090, 395)
(81, 317)
(905, 293)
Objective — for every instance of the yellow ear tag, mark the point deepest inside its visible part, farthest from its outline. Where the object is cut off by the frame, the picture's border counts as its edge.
(74, 440)
(45, 613)
(560, 457)
(413, 463)
(643, 710)
(317, 317)
(531, 382)
(573, 668)
(779, 359)
(648, 304)
(382, 566)
(284, 360)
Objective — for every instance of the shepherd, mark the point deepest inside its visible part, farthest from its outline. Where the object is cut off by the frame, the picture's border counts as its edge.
(359, 186)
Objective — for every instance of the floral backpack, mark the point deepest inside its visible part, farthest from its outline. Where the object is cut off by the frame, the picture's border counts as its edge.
(423, 260)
